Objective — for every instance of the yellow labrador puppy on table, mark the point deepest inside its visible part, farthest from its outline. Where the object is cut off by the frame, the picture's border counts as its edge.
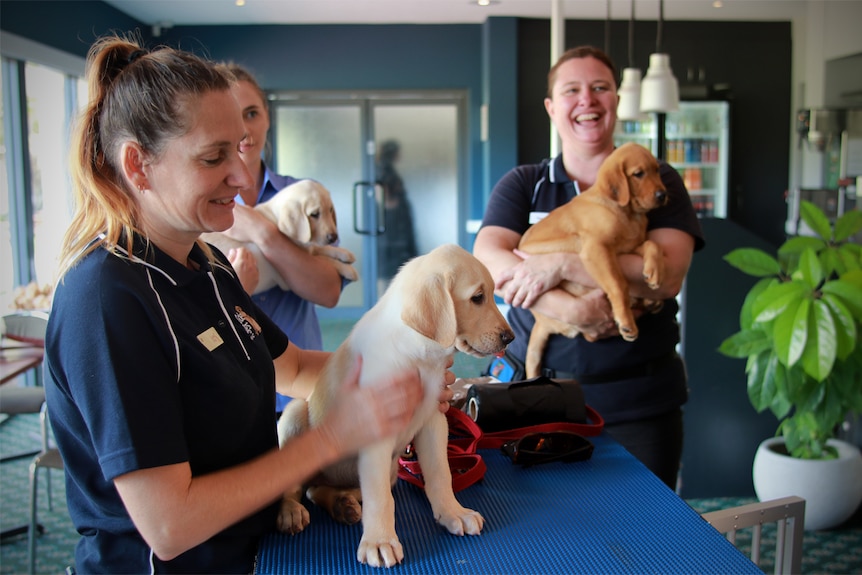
(437, 303)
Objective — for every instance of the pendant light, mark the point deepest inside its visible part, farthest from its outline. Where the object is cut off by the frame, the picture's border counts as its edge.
(629, 107)
(659, 89)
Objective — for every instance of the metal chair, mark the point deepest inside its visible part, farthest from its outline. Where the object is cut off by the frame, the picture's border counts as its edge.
(49, 458)
(26, 329)
(789, 515)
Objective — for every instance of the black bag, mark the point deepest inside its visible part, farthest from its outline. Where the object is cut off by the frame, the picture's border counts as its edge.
(499, 406)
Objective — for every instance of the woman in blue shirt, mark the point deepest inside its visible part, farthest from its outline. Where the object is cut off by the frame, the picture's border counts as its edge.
(161, 371)
(313, 280)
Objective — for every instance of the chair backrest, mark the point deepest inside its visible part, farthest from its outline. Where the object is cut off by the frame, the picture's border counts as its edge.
(788, 513)
(26, 326)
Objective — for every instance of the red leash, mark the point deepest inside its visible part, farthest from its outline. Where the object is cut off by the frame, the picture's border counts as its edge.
(465, 437)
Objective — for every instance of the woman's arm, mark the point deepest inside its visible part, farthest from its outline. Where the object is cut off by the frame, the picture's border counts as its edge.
(175, 511)
(313, 278)
(297, 371)
(522, 284)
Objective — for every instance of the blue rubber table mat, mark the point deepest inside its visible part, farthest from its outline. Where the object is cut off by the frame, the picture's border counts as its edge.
(606, 515)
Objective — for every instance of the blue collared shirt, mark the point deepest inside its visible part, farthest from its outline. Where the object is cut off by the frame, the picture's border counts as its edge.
(297, 317)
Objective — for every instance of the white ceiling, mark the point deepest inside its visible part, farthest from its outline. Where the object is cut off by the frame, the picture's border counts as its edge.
(202, 12)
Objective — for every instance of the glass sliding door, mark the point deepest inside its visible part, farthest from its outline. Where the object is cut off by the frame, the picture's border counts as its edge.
(321, 141)
(393, 164)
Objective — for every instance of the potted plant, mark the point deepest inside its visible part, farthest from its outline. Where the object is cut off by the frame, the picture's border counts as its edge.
(801, 333)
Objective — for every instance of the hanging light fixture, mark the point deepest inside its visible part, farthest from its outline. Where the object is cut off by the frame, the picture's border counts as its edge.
(659, 89)
(629, 107)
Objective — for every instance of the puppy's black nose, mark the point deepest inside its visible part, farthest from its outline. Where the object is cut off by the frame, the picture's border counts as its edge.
(661, 197)
(331, 238)
(507, 337)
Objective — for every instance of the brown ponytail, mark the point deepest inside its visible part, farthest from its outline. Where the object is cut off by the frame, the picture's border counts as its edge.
(135, 95)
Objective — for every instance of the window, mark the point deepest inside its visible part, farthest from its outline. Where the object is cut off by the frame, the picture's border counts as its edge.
(35, 191)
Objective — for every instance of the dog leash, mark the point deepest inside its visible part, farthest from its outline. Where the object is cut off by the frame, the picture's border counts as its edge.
(465, 438)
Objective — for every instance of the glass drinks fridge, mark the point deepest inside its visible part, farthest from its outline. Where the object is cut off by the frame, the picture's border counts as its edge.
(697, 140)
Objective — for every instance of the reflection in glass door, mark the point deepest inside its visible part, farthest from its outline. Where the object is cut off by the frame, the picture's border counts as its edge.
(392, 166)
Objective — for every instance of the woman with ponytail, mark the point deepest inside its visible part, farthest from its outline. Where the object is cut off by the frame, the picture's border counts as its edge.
(161, 371)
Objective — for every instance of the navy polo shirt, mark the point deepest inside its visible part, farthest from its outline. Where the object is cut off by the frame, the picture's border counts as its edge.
(150, 363)
(521, 198)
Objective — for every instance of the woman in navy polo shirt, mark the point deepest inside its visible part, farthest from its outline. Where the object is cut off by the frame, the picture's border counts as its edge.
(638, 387)
(161, 378)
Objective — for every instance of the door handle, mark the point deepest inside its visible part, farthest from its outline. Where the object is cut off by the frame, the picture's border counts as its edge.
(369, 216)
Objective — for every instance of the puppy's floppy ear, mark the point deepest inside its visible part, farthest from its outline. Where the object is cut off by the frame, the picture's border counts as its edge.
(429, 309)
(619, 183)
(293, 221)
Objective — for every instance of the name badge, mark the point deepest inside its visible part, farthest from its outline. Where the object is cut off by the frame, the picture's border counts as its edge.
(210, 338)
(536, 217)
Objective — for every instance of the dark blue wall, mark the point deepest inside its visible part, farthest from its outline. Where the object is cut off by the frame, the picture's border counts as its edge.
(70, 26)
(358, 57)
(329, 57)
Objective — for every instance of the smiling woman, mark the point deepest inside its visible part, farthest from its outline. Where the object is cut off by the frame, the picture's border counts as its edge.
(160, 370)
(638, 386)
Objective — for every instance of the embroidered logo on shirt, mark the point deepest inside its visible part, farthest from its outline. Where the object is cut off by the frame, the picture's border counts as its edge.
(251, 327)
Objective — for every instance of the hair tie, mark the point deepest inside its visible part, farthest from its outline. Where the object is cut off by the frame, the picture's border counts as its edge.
(135, 55)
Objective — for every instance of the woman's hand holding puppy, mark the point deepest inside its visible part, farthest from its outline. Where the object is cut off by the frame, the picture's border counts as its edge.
(362, 415)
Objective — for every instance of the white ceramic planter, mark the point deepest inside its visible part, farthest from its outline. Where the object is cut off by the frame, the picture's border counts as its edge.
(832, 489)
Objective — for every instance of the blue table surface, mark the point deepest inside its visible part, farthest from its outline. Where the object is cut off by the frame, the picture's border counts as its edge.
(605, 515)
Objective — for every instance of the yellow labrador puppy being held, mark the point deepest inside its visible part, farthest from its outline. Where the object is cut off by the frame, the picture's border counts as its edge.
(607, 219)
(304, 212)
(436, 304)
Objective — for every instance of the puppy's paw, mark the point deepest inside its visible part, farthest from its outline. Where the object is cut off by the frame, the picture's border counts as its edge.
(344, 255)
(653, 305)
(384, 552)
(653, 273)
(346, 509)
(293, 516)
(462, 522)
(335, 252)
(629, 333)
(652, 280)
(625, 321)
(347, 271)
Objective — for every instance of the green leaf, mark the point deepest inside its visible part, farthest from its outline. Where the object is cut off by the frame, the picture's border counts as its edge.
(745, 343)
(847, 291)
(847, 225)
(810, 268)
(760, 383)
(819, 353)
(775, 299)
(788, 340)
(798, 244)
(816, 219)
(830, 260)
(753, 262)
(845, 327)
(781, 404)
(797, 382)
(853, 277)
(845, 379)
(849, 257)
(746, 318)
